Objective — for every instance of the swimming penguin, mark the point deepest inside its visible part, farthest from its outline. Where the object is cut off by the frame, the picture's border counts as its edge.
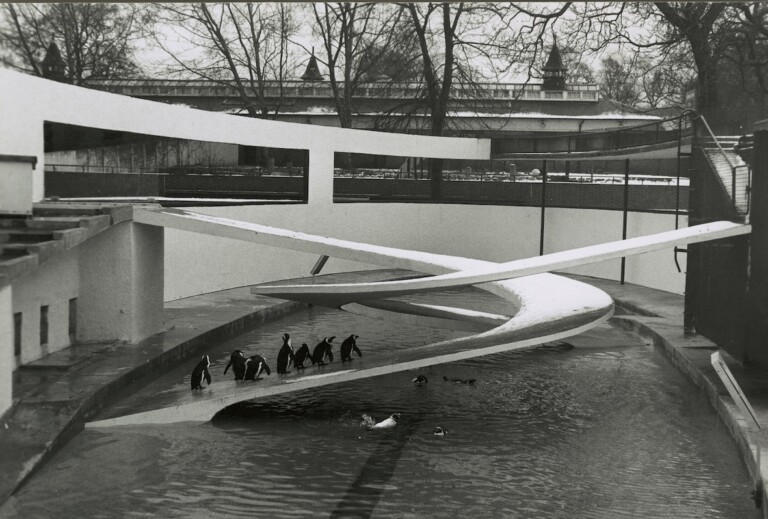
(323, 350)
(470, 381)
(237, 362)
(254, 366)
(349, 344)
(201, 372)
(420, 380)
(301, 355)
(439, 431)
(388, 423)
(285, 356)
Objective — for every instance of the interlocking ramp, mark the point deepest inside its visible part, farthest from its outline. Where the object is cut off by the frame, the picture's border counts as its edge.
(551, 307)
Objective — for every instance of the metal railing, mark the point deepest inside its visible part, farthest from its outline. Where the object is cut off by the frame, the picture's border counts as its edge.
(664, 131)
(734, 178)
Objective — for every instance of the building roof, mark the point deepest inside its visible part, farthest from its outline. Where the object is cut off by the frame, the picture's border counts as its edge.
(313, 70)
(555, 62)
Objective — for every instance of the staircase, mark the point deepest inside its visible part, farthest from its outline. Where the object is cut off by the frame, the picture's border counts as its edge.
(734, 173)
(29, 241)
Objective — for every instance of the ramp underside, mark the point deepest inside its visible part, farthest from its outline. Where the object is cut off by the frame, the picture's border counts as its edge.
(550, 307)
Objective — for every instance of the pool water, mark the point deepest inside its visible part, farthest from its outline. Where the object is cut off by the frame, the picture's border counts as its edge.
(606, 429)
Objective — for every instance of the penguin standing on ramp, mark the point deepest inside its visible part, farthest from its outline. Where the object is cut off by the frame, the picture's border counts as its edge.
(201, 372)
(286, 355)
(349, 344)
(301, 355)
(254, 366)
(237, 362)
(322, 351)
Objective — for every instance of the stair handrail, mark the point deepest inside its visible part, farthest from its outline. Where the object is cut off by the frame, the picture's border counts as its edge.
(717, 143)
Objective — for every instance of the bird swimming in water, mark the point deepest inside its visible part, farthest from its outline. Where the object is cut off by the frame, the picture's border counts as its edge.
(237, 362)
(389, 423)
(201, 372)
(286, 355)
(440, 431)
(301, 355)
(420, 380)
(254, 366)
(349, 344)
(470, 381)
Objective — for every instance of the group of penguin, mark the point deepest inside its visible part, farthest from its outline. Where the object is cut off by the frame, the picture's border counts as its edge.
(251, 368)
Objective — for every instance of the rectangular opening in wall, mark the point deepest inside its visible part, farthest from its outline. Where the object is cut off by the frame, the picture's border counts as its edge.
(360, 177)
(43, 325)
(83, 162)
(17, 334)
(72, 320)
(586, 183)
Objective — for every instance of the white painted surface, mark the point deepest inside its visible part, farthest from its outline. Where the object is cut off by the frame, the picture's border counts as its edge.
(53, 285)
(121, 284)
(16, 180)
(6, 348)
(36, 100)
(514, 269)
(490, 233)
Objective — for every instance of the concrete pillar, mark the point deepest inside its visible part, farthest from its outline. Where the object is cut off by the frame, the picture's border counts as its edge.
(121, 284)
(320, 175)
(6, 348)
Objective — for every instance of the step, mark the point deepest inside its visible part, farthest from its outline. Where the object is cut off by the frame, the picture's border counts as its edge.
(12, 251)
(59, 209)
(12, 222)
(53, 222)
(24, 235)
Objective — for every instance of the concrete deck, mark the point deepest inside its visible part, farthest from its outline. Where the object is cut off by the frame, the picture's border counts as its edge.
(56, 395)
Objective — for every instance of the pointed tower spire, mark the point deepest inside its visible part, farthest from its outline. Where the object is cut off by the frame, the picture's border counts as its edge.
(554, 70)
(313, 71)
(53, 66)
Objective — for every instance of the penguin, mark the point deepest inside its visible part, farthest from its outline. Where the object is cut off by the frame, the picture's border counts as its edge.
(201, 372)
(286, 355)
(440, 431)
(470, 381)
(420, 380)
(322, 350)
(301, 355)
(349, 344)
(237, 362)
(389, 423)
(254, 366)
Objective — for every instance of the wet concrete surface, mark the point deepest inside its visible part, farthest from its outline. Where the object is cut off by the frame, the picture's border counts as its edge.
(56, 395)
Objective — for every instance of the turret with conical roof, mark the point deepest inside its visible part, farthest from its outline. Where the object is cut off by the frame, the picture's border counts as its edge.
(554, 70)
(53, 66)
(313, 71)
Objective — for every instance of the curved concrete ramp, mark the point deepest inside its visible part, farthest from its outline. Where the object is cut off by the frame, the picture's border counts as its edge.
(550, 308)
(529, 328)
(339, 294)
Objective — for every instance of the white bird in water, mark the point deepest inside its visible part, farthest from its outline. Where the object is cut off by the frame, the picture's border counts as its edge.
(385, 424)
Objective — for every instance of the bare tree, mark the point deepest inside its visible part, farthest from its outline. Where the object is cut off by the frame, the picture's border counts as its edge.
(239, 45)
(97, 41)
(454, 37)
(356, 38)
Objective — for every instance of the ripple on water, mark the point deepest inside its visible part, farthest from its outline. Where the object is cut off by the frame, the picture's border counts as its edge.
(606, 429)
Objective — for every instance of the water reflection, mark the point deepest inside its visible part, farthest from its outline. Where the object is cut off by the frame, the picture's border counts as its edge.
(604, 429)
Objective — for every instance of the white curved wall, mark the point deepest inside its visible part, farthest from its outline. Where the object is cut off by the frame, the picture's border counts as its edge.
(198, 263)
